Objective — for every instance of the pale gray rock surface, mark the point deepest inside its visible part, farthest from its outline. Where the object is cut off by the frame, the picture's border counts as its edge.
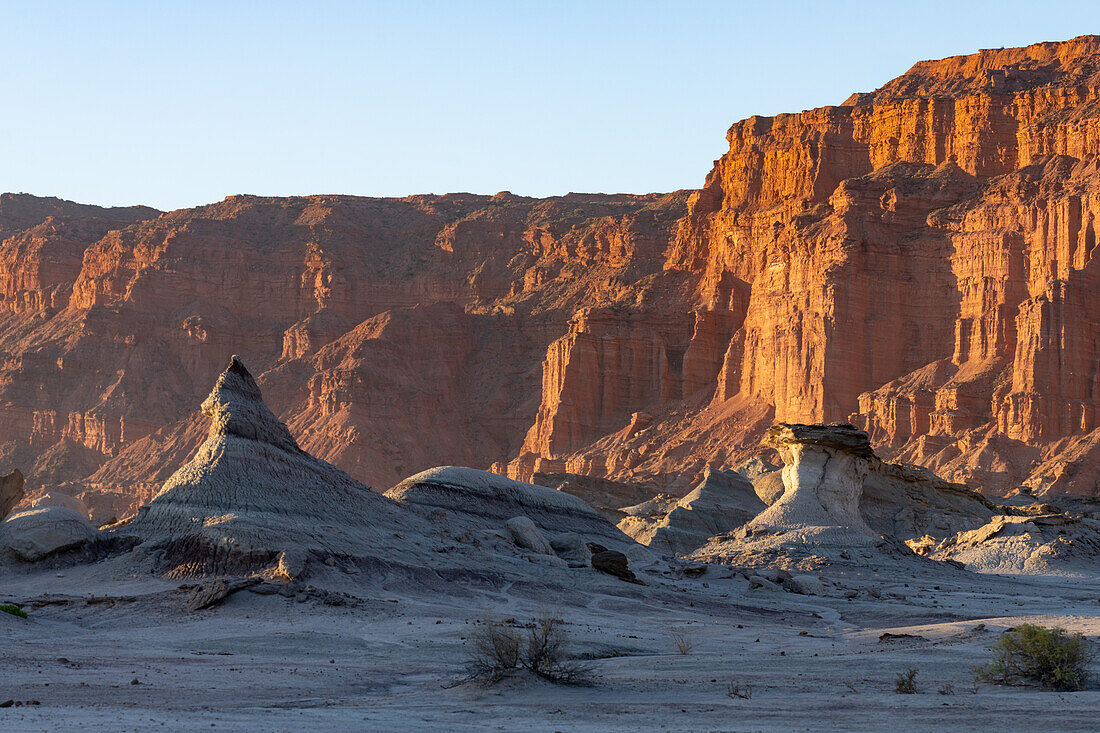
(754, 468)
(489, 500)
(1047, 544)
(252, 500)
(57, 498)
(526, 535)
(722, 502)
(769, 487)
(38, 533)
(572, 548)
(906, 502)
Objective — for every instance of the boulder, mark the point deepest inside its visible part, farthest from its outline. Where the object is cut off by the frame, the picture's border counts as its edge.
(212, 592)
(808, 585)
(526, 535)
(769, 487)
(488, 500)
(757, 582)
(57, 498)
(11, 492)
(613, 563)
(38, 533)
(572, 549)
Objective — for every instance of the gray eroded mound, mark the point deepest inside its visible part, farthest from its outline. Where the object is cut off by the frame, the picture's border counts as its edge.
(251, 498)
(1046, 544)
(38, 533)
(488, 500)
(905, 502)
(722, 502)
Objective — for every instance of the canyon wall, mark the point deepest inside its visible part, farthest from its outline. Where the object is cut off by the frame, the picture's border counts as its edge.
(917, 260)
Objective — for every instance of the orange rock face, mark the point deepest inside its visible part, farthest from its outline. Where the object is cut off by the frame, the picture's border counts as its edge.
(394, 335)
(918, 260)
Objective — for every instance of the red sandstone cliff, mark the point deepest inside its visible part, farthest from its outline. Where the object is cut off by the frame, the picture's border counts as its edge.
(918, 260)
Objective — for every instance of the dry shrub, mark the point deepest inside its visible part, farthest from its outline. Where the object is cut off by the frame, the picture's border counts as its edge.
(1049, 657)
(495, 652)
(683, 640)
(499, 649)
(13, 609)
(739, 689)
(906, 682)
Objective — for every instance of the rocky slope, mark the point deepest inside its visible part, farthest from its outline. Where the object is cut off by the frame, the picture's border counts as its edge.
(917, 260)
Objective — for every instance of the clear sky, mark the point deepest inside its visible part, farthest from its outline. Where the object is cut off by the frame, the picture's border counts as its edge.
(174, 104)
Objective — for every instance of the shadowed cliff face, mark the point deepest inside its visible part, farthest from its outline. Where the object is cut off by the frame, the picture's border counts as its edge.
(918, 260)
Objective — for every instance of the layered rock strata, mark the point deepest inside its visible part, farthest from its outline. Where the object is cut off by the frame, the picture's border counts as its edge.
(251, 500)
(917, 260)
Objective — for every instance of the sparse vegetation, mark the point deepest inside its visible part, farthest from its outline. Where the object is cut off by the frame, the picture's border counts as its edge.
(1049, 657)
(683, 640)
(13, 609)
(946, 689)
(906, 682)
(739, 689)
(495, 652)
(500, 649)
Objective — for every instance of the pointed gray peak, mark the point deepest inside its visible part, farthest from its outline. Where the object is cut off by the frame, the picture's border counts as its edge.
(237, 409)
(721, 490)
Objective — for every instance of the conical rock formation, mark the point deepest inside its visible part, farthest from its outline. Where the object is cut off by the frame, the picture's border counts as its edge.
(251, 499)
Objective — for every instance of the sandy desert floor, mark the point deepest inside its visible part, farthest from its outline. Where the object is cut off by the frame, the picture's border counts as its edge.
(132, 658)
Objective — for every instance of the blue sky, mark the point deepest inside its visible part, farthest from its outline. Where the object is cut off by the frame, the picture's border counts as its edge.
(176, 104)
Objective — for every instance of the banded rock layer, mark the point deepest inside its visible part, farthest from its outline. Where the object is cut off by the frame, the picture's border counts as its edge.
(917, 260)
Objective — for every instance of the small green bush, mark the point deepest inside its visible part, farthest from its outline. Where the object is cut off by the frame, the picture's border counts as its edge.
(1030, 654)
(13, 609)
